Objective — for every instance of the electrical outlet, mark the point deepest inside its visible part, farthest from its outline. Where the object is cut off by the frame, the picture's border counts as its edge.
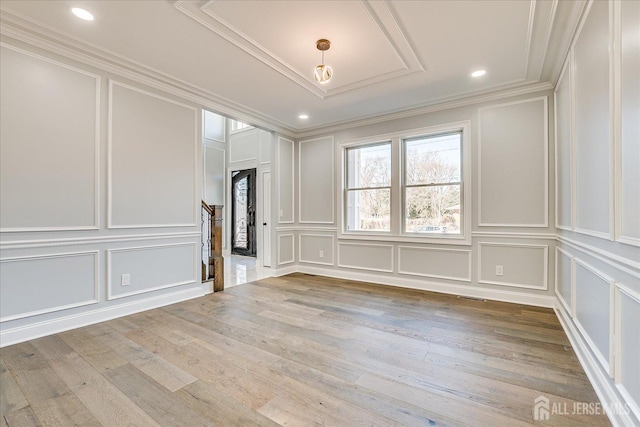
(321, 254)
(125, 279)
(499, 270)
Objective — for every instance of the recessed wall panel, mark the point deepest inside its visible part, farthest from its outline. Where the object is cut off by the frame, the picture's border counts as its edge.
(593, 307)
(316, 249)
(214, 126)
(45, 283)
(265, 147)
(152, 160)
(591, 86)
(630, 346)
(150, 268)
(286, 247)
(563, 148)
(513, 164)
(49, 138)
(563, 276)
(316, 188)
(523, 266)
(451, 264)
(214, 162)
(285, 181)
(365, 256)
(244, 145)
(630, 116)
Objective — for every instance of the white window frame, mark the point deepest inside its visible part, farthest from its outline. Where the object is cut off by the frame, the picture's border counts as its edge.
(236, 129)
(397, 233)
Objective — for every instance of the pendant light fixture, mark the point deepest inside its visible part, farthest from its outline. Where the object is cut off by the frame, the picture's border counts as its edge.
(323, 72)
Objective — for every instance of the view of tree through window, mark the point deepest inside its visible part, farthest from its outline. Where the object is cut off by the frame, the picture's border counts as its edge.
(369, 187)
(432, 184)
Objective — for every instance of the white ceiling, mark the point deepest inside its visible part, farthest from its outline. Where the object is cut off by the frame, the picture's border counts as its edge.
(255, 59)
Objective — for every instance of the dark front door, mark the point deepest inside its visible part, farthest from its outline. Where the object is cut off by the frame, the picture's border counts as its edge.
(243, 212)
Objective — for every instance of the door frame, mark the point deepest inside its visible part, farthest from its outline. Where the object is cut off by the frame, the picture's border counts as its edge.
(252, 243)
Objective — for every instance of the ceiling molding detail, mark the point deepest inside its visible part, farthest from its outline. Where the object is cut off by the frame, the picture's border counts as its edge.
(26, 31)
(377, 12)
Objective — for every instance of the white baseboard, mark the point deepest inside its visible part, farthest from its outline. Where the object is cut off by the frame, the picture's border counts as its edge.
(61, 324)
(526, 298)
(287, 270)
(602, 384)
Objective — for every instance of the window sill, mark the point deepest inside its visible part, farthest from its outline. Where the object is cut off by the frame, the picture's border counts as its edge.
(458, 240)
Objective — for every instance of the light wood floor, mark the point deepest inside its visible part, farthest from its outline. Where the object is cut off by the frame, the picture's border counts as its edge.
(301, 350)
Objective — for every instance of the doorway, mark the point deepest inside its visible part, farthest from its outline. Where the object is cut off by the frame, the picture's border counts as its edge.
(243, 212)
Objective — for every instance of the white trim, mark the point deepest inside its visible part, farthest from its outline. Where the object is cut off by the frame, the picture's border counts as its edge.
(49, 327)
(396, 187)
(607, 365)
(196, 166)
(545, 280)
(333, 245)
(382, 270)
(285, 270)
(25, 244)
(279, 183)
(293, 249)
(530, 26)
(333, 181)
(604, 390)
(526, 298)
(567, 305)
(514, 235)
(380, 15)
(435, 276)
(96, 149)
(621, 289)
(614, 123)
(544, 224)
(565, 67)
(623, 264)
(195, 279)
(592, 233)
(547, 37)
(96, 283)
(573, 170)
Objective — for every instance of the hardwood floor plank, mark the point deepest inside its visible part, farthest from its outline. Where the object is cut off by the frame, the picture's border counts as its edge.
(11, 397)
(156, 401)
(302, 350)
(108, 404)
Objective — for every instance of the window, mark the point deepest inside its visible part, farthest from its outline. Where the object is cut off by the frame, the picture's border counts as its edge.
(369, 187)
(432, 184)
(409, 186)
(237, 126)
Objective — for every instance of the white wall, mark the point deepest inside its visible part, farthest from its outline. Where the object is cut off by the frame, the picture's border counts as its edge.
(510, 158)
(598, 199)
(101, 177)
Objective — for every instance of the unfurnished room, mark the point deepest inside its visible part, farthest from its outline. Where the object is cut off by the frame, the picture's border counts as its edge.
(320, 213)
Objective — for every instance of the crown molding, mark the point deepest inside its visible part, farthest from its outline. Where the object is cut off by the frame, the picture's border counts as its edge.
(25, 30)
(492, 94)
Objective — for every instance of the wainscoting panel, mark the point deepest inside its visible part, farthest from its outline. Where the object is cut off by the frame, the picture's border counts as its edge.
(286, 249)
(564, 278)
(523, 265)
(39, 284)
(285, 181)
(151, 268)
(366, 256)
(593, 311)
(452, 264)
(316, 248)
(628, 346)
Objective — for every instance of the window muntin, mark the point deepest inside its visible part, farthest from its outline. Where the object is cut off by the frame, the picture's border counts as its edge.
(432, 191)
(368, 187)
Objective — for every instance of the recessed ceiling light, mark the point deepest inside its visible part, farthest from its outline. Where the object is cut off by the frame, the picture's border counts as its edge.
(478, 73)
(303, 116)
(82, 14)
